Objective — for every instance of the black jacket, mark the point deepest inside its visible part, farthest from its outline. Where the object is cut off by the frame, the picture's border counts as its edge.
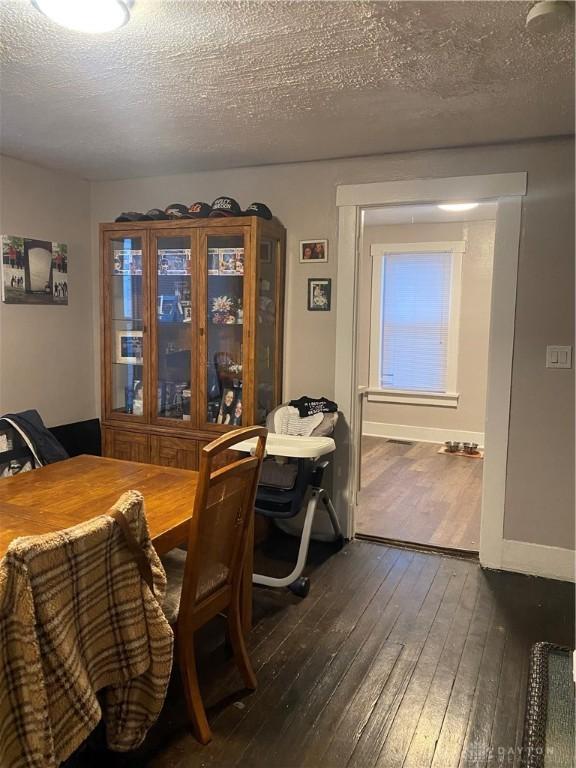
(44, 446)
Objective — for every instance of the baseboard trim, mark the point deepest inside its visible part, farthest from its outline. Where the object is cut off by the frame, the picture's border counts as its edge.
(420, 434)
(536, 560)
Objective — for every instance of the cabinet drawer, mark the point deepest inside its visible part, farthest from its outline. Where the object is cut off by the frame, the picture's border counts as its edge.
(174, 452)
(128, 446)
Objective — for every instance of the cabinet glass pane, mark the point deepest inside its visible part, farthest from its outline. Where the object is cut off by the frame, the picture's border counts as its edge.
(224, 329)
(127, 307)
(266, 330)
(173, 326)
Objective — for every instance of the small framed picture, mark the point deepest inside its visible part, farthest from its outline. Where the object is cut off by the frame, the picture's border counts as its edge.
(226, 407)
(129, 347)
(313, 250)
(236, 419)
(319, 294)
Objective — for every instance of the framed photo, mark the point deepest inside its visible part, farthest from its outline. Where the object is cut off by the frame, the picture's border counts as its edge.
(319, 294)
(129, 347)
(313, 250)
(33, 271)
(226, 407)
(236, 419)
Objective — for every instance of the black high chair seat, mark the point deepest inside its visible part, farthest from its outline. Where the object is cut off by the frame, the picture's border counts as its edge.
(292, 484)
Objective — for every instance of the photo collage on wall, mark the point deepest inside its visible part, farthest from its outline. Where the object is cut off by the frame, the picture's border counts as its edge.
(34, 271)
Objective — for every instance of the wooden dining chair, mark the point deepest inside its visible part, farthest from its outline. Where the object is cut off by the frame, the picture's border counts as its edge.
(206, 580)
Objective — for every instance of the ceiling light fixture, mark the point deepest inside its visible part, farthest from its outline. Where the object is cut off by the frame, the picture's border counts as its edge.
(90, 16)
(547, 15)
(458, 206)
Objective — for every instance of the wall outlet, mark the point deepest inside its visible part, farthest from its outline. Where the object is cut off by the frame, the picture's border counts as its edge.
(558, 357)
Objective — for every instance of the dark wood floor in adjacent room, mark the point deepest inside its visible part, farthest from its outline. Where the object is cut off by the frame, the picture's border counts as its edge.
(396, 658)
(410, 492)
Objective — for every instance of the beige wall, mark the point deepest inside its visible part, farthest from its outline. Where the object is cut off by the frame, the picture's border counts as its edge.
(540, 486)
(47, 357)
(476, 287)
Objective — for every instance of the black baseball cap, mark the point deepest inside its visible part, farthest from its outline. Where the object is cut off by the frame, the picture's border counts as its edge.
(199, 210)
(225, 206)
(177, 211)
(131, 216)
(258, 209)
(156, 214)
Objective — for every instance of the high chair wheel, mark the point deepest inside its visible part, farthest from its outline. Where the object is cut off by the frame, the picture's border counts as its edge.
(300, 587)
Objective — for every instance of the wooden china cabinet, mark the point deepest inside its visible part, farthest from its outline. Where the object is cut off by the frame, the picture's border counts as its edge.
(192, 325)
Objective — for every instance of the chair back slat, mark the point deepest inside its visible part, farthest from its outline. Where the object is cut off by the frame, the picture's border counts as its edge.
(219, 527)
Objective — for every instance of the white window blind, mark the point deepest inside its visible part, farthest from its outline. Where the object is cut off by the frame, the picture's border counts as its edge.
(415, 320)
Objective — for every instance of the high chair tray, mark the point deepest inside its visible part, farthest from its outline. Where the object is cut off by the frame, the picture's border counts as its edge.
(291, 446)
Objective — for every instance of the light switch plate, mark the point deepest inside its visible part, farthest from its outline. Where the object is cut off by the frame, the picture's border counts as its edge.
(558, 357)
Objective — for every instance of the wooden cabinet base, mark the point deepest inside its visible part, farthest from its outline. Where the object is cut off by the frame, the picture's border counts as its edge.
(174, 452)
(126, 445)
(156, 448)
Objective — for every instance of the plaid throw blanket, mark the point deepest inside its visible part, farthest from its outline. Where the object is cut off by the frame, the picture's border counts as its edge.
(76, 617)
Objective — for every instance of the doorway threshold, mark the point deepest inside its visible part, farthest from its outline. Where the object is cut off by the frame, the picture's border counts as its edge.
(463, 554)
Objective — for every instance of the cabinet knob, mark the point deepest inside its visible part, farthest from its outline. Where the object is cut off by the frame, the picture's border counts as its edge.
(201, 331)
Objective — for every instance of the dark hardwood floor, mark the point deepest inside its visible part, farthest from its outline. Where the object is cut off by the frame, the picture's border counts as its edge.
(410, 492)
(396, 658)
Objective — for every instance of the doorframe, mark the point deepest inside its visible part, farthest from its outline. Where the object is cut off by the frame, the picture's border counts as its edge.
(351, 200)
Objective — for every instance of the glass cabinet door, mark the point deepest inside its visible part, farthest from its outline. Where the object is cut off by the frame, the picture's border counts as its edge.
(174, 330)
(125, 276)
(223, 353)
(267, 341)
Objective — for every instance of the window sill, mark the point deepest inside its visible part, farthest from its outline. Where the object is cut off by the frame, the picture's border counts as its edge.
(408, 397)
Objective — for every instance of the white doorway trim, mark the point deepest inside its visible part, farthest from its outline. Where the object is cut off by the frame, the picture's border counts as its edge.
(508, 189)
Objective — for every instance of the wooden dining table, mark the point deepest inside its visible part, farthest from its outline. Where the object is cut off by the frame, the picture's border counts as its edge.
(68, 492)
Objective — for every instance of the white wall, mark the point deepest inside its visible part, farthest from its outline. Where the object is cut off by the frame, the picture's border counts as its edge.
(47, 358)
(474, 326)
(540, 484)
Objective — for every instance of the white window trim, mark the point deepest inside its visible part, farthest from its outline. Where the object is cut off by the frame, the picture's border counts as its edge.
(376, 393)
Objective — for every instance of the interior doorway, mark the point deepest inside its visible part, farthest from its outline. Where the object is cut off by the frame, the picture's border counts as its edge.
(353, 201)
(424, 287)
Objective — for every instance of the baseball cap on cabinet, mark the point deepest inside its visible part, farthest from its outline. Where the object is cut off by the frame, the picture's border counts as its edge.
(177, 211)
(258, 209)
(156, 214)
(199, 210)
(131, 216)
(225, 206)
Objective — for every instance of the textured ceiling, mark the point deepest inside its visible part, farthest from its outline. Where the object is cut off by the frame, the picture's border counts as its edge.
(192, 85)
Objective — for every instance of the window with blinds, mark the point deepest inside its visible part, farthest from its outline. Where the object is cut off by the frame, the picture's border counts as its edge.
(415, 319)
(415, 297)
